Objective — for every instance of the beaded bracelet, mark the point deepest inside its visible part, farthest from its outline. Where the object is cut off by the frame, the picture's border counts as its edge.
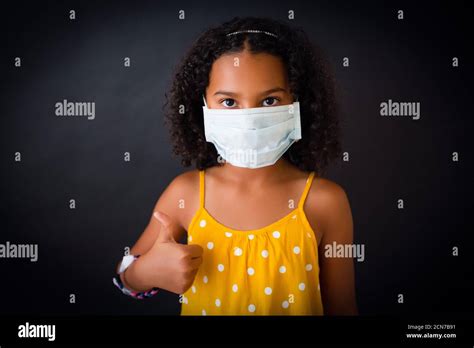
(135, 294)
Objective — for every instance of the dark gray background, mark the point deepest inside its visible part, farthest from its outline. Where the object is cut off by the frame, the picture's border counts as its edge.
(407, 251)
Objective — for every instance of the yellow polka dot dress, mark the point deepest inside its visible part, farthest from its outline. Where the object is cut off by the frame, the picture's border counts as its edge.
(268, 271)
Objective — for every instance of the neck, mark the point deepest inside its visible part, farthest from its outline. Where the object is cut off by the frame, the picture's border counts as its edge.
(263, 174)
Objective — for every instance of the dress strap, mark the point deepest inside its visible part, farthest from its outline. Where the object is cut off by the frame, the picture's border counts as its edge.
(201, 188)
(306, 190)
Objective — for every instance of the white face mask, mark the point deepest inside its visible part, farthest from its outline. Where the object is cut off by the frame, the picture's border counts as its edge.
(253, 137)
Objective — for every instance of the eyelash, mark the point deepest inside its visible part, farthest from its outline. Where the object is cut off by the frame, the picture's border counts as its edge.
(276, 98)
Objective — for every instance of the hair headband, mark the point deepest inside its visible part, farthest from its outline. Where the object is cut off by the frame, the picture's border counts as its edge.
(252, 31)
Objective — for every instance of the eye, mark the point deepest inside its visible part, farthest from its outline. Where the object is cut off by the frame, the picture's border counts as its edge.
(228, 102)
(270, 100)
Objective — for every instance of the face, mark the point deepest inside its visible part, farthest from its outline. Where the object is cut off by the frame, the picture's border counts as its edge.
(246, 80)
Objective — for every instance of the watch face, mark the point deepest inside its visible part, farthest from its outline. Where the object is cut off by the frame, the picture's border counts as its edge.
(126, 261)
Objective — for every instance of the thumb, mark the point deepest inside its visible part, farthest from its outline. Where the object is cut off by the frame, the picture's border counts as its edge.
(166, 234)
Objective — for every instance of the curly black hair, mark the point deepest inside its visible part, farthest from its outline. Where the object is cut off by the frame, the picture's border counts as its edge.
(309, 79)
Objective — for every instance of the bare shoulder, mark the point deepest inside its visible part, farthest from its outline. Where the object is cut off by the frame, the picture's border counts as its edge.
(326, 194)
(176, 201)
(184, 182)
(327, 207)
(180, 199)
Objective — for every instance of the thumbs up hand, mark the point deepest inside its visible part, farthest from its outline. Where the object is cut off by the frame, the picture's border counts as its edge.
(166, 234)
(170, 265)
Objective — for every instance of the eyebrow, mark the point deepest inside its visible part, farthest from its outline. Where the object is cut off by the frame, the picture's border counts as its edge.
(233, 94)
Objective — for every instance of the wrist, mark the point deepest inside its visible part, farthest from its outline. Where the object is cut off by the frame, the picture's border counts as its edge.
(120, 280)
(137, 274)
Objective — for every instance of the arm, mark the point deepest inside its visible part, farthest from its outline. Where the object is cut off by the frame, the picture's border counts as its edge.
(182, 188)
(330, 211)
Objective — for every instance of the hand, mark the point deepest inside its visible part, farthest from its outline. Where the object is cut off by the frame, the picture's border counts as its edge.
(170, 265)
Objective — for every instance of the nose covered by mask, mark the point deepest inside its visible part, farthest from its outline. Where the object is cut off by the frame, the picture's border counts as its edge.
(252, 137)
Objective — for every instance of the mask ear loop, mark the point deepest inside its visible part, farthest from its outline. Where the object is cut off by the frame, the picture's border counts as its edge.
(292, 147)
(289, 151)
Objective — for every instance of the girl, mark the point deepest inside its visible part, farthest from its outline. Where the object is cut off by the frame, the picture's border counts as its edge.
(252, 106)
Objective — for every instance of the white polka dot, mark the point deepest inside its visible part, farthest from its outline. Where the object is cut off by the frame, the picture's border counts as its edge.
(250, 271)
(203, 312)
(235, 288)
(220, 267)
(205, 279)
(185, 300)
(251, 236)
(228, 234)
(202, 223)
(301, 286)
(251, 308)
(293, 217)
(285, 304)
(296, 249)
(268, 291)
(193, 289)
(309, 267)
(265, 253)
(237, 251)
(282, 269)
(218, 302)
(210, 245)
(276, 234)
(309, 235)
(190, 238)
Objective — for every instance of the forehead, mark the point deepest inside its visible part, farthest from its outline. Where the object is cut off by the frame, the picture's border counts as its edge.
(245, 71)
